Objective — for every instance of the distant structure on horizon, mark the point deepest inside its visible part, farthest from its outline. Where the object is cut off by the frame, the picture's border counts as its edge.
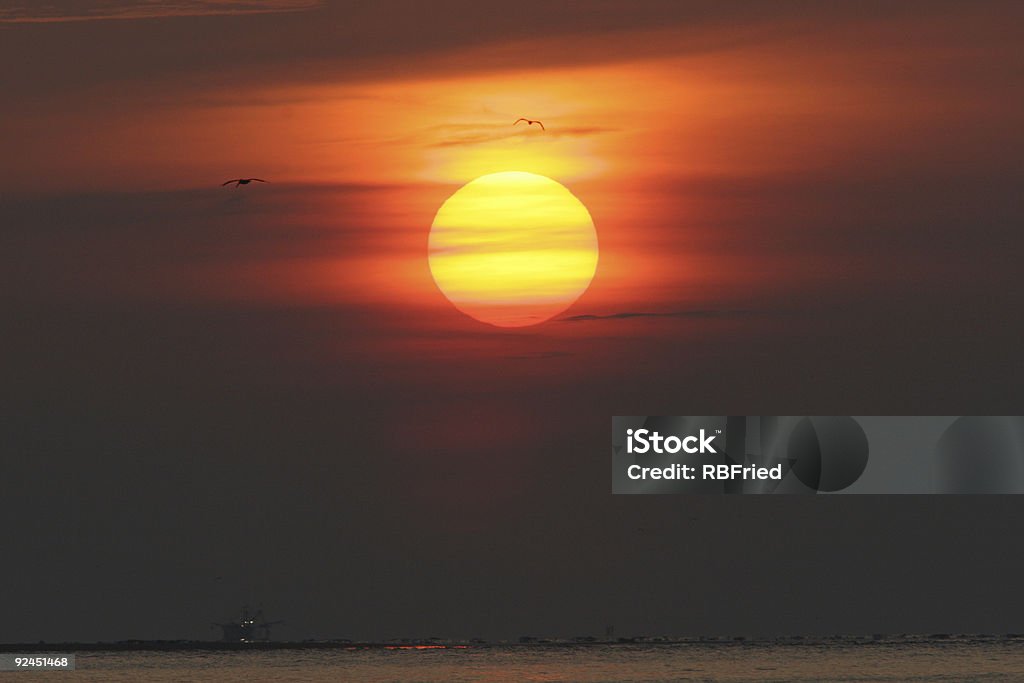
(248, 629)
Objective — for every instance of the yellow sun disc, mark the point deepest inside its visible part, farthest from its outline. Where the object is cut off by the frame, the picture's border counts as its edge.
(513, 249)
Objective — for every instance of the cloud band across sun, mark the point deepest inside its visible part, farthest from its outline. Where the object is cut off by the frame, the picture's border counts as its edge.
(513, 249)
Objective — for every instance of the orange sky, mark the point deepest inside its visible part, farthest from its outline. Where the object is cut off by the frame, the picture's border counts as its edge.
(647, 127)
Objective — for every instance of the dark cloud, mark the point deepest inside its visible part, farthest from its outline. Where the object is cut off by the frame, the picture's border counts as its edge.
(84, 10)
(343, 41)
(676, 314)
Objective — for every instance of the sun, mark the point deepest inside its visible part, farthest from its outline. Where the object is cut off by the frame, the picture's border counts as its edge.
(513, 249)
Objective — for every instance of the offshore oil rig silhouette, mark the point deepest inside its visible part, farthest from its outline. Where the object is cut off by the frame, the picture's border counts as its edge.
(248, 628)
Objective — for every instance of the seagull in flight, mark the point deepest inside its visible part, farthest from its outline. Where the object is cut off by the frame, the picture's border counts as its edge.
(530, 122)
(242, 181)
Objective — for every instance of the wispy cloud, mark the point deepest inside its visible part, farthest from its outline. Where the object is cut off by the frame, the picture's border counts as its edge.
(538, 355)
(479, 134)
(709, 313)
(107, 10)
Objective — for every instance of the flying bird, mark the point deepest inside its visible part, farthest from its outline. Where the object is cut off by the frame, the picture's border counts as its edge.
(242, 181)
(530, 122)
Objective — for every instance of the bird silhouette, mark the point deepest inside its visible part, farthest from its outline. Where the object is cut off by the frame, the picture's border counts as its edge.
(242, 181)
(530, 122)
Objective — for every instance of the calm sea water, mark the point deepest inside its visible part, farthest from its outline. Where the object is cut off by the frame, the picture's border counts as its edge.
(955, 660)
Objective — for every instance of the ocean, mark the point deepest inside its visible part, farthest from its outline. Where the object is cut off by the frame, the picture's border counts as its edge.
(962, 658)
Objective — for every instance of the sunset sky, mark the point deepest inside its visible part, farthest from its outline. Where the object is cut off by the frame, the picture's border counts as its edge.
(815, 205)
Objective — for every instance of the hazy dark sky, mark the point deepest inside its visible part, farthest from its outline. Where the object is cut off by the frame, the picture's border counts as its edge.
(209, 398)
